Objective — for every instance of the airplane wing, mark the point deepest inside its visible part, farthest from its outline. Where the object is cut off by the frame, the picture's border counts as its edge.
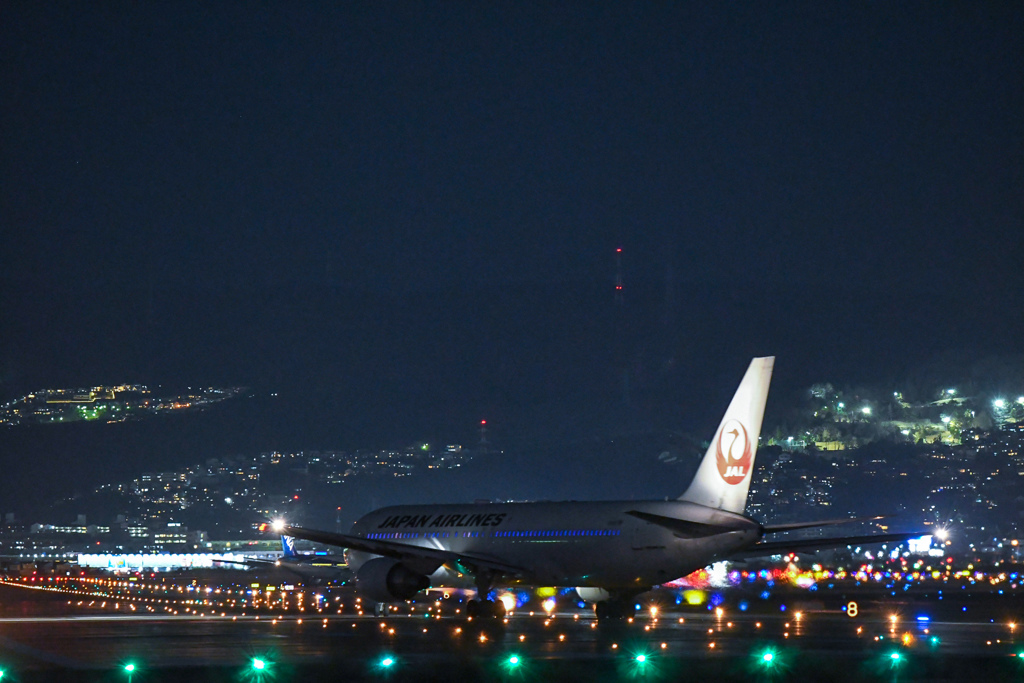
(420, 557)
(247, 561)
(799, 544)
(684, 527)
(775, 528)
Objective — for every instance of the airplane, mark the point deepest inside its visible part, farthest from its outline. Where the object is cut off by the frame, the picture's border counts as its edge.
(313, 568)
(610, 551)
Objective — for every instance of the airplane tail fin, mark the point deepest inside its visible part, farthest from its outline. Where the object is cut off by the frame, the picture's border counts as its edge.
(723, 478)
(288, 546)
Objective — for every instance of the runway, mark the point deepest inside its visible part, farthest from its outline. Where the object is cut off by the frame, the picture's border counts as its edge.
(43, 635)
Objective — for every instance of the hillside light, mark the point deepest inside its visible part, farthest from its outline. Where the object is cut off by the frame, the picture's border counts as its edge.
(999, 403)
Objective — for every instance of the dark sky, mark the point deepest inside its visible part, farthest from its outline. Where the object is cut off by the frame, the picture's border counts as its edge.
(255, 192)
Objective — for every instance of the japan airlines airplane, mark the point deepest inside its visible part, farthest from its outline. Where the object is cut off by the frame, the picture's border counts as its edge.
(610, 551)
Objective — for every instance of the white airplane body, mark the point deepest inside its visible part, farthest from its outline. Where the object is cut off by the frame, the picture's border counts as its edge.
(558, 543)
(609, 550)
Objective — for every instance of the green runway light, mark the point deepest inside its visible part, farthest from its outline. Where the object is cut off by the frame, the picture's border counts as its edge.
(259, 664)
(640, 659)
(767, 657)
(387, 661)
(129, 668)
(513, 660)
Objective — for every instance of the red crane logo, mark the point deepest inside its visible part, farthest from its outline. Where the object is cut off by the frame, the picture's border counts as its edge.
(735, 454)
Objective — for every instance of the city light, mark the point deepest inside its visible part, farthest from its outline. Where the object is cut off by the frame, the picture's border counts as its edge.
(999, 403)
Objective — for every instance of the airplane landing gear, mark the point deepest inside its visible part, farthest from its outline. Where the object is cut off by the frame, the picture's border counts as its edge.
(485, 609)
(481, 607)
(608, 610)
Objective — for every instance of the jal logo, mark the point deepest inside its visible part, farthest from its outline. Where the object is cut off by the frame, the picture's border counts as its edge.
(734, 452)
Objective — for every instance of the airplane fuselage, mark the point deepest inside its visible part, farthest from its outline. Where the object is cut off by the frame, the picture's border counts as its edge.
(562, 543)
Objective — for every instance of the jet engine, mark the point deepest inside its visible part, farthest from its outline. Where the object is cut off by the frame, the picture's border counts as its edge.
(384, 579)
(593, 594)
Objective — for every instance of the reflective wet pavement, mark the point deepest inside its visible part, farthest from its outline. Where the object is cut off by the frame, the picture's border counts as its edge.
(42, 638)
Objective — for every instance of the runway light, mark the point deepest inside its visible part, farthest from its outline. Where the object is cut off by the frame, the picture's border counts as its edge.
(640, 659)
(259, 664)
(129, 668)
(768, 658)
(387, 662)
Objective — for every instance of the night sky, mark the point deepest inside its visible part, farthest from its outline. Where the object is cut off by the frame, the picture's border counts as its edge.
(405, 215)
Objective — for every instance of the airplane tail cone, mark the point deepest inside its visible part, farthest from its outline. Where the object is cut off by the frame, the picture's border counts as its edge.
(723, 478)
